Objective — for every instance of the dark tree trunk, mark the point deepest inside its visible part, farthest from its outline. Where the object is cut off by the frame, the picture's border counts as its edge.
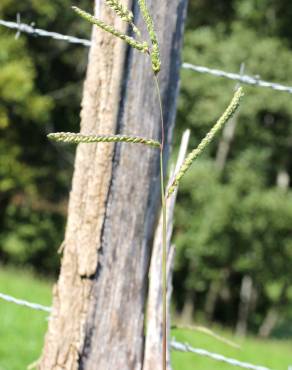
(244, 305)
(274, 312)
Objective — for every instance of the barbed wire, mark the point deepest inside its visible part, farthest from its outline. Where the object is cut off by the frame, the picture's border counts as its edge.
(246, 79)
(184, 347)
(31, 30)
(21, 302)
(255, 81)
(177, 346)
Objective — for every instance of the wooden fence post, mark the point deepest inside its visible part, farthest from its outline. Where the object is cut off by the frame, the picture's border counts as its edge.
(99, 300)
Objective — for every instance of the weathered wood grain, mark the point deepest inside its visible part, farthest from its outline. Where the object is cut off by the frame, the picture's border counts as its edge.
(119, 292)
(99, 300)
(87, 205)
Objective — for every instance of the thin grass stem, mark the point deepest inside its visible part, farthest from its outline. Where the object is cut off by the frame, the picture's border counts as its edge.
(164, 233)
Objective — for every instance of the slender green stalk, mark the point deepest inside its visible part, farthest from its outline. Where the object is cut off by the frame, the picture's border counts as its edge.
(164, 267)
(156, 66)
(231, 109)
(164, 234)
(69, 137)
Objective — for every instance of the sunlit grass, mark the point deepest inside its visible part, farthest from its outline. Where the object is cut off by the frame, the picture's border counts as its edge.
(22, 331)
(275, 354)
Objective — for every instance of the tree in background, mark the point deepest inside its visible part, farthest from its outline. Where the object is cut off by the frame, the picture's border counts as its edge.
(241, 224)
(39, 92)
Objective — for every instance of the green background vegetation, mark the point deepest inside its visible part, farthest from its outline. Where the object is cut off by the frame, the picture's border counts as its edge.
(231, 222)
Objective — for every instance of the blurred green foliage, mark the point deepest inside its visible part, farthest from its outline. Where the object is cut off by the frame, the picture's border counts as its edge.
(236, 221)
(40, 92)
(231, 222)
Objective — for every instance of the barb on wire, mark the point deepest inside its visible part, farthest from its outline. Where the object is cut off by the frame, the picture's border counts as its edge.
(184, 347)
(31, 30)
(238, 77)
(21, 302)
(18, 19)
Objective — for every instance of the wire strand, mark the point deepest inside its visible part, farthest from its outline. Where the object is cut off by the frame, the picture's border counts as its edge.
(246, 79)
(185, 347)
(21, 302)
(30, 30)
(249, 80)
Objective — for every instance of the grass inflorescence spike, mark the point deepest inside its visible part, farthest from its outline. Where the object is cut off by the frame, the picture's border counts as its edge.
(141, 46)
(124, 13)
(231, 109)
(155, 54)
(69, 137)
(121, 10)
